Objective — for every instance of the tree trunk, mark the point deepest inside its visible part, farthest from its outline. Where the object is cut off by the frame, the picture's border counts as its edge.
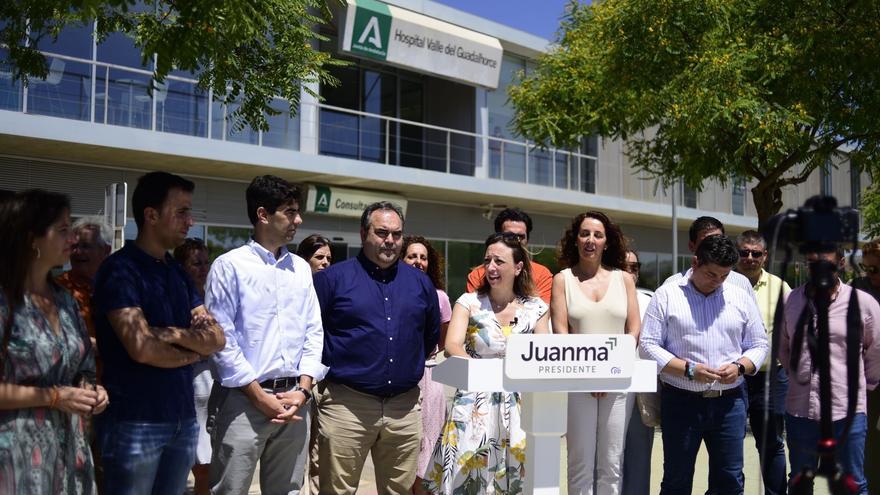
(768, 200)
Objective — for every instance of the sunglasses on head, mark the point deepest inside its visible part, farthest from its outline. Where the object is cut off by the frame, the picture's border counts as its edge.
(510, 236)
(744, 253)
(869, 269)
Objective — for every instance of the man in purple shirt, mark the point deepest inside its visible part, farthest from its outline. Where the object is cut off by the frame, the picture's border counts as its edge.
(381, 320)
(802, 402)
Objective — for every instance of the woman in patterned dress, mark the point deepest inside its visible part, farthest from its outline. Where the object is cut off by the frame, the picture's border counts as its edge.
(419, 253)
(47, 364)
(482, 447)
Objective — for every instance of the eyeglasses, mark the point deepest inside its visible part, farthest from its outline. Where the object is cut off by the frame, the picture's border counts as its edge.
(744, 253)
(633, 267)
(383, 234)
(869, 269)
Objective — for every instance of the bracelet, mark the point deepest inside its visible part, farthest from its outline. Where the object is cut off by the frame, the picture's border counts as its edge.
(55, 397)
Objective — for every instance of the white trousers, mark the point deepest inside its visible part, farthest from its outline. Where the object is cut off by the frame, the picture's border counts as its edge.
(596, 437)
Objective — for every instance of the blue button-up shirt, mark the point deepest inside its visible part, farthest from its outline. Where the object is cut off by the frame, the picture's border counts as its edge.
(379, 325)
(269, 313)
(131, 278)
(714, 330)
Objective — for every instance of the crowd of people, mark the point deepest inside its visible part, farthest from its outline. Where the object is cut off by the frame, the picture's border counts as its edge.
(307, 366)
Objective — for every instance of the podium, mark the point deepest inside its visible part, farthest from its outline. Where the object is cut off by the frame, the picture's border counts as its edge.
(544, 368)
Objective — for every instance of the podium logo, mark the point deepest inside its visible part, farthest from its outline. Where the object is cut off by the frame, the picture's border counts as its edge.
(372, 25)
(565, 353)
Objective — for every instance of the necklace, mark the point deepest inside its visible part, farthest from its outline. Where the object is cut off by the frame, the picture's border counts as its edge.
(500, 307)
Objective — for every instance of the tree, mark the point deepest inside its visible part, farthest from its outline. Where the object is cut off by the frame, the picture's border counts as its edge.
(765, 90)
(249, 50)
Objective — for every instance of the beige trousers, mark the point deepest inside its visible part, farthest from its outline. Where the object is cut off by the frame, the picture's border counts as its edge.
(352, 424)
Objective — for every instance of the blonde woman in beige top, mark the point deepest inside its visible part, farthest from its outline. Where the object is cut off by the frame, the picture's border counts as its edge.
(594, 295)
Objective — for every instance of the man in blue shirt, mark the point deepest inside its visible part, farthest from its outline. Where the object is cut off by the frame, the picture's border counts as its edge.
(262, 296)
(381, 320)
(151, 326)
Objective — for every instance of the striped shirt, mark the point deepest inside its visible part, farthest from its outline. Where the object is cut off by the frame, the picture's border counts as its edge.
(735, 279)
(713, 330)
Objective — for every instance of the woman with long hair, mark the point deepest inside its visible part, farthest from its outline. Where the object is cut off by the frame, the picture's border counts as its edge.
(419, 253)
(316, 250)
(482, 446)
(47, 364)
(594, 294)
(193, 256)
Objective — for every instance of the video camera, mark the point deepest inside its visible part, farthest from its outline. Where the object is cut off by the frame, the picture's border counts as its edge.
(820, 226)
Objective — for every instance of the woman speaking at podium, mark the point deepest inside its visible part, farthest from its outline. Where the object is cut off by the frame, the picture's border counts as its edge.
(595, 295)
(482, 447)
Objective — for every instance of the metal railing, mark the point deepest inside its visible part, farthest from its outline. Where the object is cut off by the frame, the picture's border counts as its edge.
(105, 93)
(394, 141)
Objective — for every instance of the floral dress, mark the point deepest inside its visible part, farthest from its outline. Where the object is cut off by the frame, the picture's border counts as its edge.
(44, 450)
(482, 447)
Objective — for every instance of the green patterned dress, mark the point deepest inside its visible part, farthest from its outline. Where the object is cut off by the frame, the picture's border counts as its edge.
(482, 446)
(42, 450)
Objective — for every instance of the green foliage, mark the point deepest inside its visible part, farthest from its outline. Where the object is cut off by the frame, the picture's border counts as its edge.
(245, 50)
(714, 89)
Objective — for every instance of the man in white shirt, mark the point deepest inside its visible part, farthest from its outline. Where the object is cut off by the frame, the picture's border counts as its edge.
(262, 295)
(700, 229)
(705, 335)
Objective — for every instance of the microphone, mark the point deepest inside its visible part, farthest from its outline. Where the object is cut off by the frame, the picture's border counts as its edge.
(514, 322)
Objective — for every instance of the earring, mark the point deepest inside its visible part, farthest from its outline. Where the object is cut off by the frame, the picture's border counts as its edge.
(38, 252)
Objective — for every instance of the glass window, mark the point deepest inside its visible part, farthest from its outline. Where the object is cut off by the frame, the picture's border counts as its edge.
(739, 197)
(461, 258)
(283, 128)
(825, 188)
(545, 255)
(688, 196)
(10, 90)
(222, 239)
(66, 91)
(664, 267)
(648, 277)
(855, 175)
(339, 130)
(119, 49)
(73, 41)
(181, 108)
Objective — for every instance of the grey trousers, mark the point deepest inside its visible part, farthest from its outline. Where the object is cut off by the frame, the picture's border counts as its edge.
(242, 435)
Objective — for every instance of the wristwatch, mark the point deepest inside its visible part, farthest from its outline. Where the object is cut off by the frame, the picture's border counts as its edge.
(306, 392)
(742, 368)
(689, 369)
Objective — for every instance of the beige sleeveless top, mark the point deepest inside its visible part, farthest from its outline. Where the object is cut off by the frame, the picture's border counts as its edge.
(608, 315)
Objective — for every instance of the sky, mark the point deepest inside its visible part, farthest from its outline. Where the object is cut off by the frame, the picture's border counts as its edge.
(539, 17)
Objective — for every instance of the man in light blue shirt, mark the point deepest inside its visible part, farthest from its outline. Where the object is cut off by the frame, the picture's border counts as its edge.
(262, 295)
(705, 335)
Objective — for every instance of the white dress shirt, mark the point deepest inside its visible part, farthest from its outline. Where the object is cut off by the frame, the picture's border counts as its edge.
(270, 315)
(714, 330)
(735, 279)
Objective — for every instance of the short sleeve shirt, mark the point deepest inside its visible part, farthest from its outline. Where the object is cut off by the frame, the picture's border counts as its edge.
(161, 288)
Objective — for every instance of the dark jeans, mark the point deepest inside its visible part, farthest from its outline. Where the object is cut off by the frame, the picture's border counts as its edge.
(803, 438)
(688, 420)
(769, 437)
(148, 458)
(637, 456)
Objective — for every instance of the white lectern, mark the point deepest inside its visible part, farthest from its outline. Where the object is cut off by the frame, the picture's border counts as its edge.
(544, 368)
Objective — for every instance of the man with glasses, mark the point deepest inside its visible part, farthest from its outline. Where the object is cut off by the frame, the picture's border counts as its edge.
(517, 223)
(768, 437)
(870, 283)
(381, 320)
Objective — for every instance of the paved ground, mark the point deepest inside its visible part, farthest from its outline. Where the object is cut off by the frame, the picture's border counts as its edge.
(368, 486)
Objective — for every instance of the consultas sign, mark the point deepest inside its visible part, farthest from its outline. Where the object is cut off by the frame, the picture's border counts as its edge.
(401, 37)
(540, 356)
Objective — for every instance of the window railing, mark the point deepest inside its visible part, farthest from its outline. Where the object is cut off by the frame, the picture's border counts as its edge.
(393, 141)
(110, 94)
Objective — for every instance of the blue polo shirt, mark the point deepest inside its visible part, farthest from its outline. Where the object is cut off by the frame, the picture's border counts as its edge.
(379, 325)
(161, 288)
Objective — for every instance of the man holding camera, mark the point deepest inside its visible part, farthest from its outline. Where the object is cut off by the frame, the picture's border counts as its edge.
(802, 403)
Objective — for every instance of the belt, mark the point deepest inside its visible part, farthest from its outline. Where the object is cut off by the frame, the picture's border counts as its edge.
(280, 383)
(705, 394)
